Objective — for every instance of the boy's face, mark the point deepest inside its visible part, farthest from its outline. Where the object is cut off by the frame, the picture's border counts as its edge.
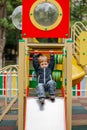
(44, 64)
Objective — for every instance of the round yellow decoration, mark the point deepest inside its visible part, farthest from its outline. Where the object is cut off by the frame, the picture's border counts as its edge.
(47, 27)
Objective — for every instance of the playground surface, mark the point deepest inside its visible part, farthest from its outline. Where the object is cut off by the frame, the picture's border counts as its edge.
(79, 112)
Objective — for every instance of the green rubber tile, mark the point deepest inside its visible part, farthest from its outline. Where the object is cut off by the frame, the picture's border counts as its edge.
(79, 127)
(7, 123)
(79, 110)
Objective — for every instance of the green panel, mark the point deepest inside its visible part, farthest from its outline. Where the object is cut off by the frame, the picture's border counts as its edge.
(69, 40)
(1, 83)
(33, 84)
(58, 71)
(30, 72)
(74, 92)
(57, 75)
(58, 85)
(21, 40)
(58, 58)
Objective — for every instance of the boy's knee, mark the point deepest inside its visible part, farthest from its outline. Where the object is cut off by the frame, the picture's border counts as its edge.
(51, 82)
(39, 85)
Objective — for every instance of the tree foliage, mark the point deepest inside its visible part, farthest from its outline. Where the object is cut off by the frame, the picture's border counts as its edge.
(12, 33)
(78, 11)
(10, 6)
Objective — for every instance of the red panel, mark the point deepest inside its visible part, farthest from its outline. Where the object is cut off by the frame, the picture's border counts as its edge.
(31, 31)
(5, 82)
(78, 89)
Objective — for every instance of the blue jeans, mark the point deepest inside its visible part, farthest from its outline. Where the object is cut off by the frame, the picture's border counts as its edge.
(49, 87)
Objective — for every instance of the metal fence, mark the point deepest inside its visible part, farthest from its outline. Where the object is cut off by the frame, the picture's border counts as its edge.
(9, 81)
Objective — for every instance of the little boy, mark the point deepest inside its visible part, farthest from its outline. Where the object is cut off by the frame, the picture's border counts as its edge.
(44, 70)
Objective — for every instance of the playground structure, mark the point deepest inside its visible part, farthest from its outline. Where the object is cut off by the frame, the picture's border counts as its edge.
(79, 36)
(65, 74)
(24, 65)
(43, 19)
(71, 74)
(10, 70)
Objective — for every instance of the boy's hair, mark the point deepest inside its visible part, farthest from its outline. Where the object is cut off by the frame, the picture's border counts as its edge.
(42, 58)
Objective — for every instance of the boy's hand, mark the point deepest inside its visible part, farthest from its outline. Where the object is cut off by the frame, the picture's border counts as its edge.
(51, 51)
(36, 52)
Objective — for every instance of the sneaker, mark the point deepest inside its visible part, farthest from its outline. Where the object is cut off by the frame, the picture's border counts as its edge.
(52, 97)
(41, 100)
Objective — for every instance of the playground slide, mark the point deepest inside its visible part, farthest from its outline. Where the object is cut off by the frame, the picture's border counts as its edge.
(77, 72)
(50, 116)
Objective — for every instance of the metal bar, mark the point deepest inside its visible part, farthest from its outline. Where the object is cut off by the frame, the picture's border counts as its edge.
(43, 45)
(32, 58)
(46, 52)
